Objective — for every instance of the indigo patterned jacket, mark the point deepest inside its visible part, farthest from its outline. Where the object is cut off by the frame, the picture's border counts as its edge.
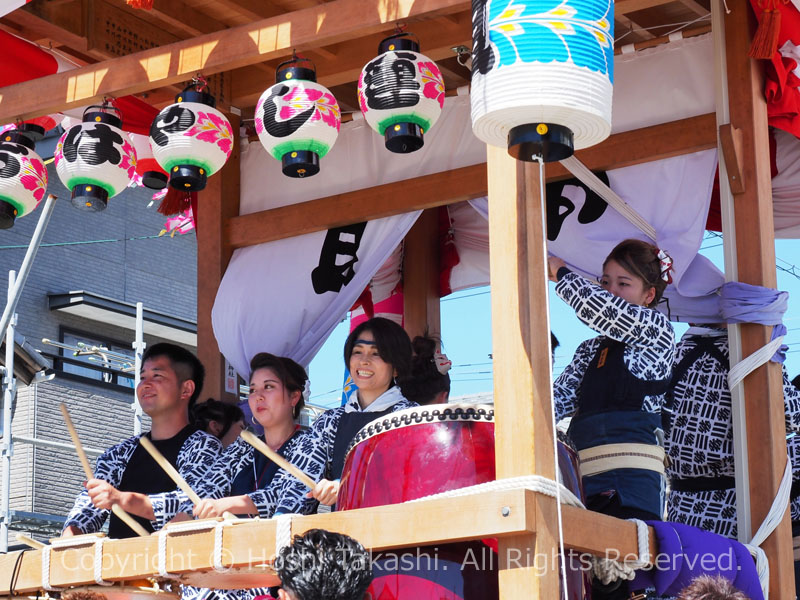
(647, 334)
(196, 456)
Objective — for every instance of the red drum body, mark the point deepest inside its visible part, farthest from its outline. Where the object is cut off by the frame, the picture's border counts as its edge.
(418, 452)
(421, 451)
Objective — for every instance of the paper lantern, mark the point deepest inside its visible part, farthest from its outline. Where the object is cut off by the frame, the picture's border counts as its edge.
(542, 75)
(34, 129)
(95, 159)
(147, 167)
(23, 177)
(297, 119)
(191, 139)
(401, 93)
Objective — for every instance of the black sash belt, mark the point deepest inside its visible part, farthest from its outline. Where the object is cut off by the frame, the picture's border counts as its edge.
(702, 484)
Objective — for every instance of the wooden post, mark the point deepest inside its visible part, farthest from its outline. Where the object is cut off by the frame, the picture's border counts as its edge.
(755, 243)
(217, 203)
(421, 276)
(522, 387)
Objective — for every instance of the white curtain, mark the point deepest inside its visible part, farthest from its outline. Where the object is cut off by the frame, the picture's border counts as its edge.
(267, 301)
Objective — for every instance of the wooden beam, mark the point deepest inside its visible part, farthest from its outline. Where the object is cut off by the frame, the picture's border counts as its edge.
(218, 203)
(755, 250)
(251, 542)
(620, 150)
(220, 51)
(520, 342)
(437, 38)
(421, 276)
(730, 141)
(624, 7)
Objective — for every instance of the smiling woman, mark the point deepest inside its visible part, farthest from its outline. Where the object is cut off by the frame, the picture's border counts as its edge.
(377, 352)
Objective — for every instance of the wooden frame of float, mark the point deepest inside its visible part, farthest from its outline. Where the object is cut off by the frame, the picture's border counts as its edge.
(518, 278)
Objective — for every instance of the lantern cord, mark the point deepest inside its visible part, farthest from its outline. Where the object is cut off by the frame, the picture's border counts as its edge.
(556, 469)
(582, 172)
(200, 82)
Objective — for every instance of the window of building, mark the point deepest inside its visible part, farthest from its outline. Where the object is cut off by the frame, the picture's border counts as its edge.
(92, 357)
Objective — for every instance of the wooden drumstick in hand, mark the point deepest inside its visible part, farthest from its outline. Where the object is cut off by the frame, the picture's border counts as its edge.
(87, 469)
(284, 464)
(173, 473)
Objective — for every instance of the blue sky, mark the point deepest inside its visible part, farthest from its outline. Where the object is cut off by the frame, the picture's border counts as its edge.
(469, 347)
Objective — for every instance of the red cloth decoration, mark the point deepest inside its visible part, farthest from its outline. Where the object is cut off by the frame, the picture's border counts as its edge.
(23, 60)
(714, 219)
(137, 115)
(782, 86)
(448, 254)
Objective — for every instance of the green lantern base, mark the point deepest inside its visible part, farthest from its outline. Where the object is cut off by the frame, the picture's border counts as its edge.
(8, 214)
(188, 178)
(403, 138)
(549, 141)
(300, 163)
(89, 197)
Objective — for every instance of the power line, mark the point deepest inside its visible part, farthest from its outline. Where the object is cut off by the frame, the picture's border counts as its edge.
(84, 242)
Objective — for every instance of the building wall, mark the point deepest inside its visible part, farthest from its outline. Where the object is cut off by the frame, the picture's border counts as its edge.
(160, 272)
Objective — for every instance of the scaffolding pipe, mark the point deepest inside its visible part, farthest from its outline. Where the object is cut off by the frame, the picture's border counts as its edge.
(27, 262)
(138, 350)
(9, 391)
(36, 442)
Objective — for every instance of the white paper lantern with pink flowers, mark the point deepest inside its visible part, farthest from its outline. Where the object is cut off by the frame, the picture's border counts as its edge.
(297, 119)
(23, 176)
(401, 93)
(95, 159)
(191, 139)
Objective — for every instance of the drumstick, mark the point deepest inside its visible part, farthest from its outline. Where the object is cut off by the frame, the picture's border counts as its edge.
(174, 475)
(21, 537)
(169, 469)
(277, 459)
(87, 469)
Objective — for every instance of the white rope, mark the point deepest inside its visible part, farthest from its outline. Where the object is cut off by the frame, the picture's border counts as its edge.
(283, 532)
(98, 562)
(771, 521)
(608, 570)
(46, 570)
(582, 172)
(747, 365)
(536, 483)
(185, 527)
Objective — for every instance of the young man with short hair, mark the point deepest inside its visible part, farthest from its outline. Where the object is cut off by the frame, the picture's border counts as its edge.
(126, 474)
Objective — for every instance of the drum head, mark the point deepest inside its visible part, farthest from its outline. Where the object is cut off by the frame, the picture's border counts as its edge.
(237, 578)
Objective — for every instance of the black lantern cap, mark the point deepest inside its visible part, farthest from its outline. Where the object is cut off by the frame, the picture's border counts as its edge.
(7, 215)
(300, 163)
(155, 180)
(403, 138)
(101, 116)
(296, 68)
(551, 142)
(189, 95)
(399, 41)
(188, 178)
(32, 130)
(89, 197)
(16, 136)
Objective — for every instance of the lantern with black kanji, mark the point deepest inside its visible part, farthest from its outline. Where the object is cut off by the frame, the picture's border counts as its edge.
(191, 139)
(542, 75)
(147, 167)
(95, 159)
(297, 119)
(23, 176)
(401, 93)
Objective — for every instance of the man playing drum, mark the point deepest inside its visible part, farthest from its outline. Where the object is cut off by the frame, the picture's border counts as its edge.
(126, 474)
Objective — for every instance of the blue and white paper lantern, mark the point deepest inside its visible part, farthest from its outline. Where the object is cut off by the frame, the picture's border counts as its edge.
(542, 74)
